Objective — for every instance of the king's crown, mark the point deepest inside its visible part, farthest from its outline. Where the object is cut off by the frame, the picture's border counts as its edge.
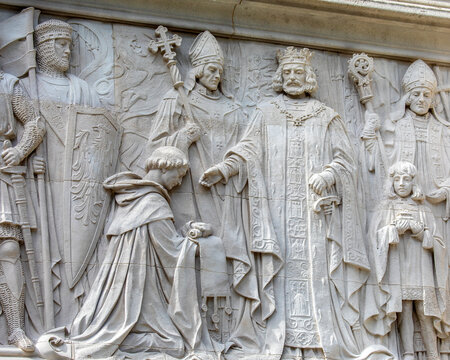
(293, 55)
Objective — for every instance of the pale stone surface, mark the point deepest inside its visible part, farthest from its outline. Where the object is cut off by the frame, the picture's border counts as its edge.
(405, 29)
(249, 215)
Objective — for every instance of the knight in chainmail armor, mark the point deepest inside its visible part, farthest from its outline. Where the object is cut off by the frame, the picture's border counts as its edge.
(59, 94)
(14, 104)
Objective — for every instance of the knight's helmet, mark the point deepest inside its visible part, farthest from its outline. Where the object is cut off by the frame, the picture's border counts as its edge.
(205, 49)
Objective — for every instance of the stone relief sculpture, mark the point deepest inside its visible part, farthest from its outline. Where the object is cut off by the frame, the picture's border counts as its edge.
(278, 253)
(421, 137)
(142, 299)
(412, 264)
(417, 134)
(299, 149)
(53, 40)
(205, 125)
(14, 218)
(420, 133)
(80, 152)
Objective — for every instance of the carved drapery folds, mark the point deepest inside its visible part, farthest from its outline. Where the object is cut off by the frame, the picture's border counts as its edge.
(187, 196)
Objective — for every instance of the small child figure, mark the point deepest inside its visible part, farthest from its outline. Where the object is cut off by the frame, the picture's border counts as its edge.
(411, 262)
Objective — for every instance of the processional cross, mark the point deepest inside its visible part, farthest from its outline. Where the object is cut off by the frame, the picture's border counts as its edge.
(166, 46)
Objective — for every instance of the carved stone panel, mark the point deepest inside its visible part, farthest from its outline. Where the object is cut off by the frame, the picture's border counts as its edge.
(171, 194)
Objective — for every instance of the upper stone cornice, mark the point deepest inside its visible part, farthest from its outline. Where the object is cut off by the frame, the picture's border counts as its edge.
(400, 29)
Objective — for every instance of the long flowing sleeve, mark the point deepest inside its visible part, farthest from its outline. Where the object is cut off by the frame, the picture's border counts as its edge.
(168, 125)
(167, 244)
(250, 145)
(385, 234)
(342, 154)
(248, 154)
(386, 298)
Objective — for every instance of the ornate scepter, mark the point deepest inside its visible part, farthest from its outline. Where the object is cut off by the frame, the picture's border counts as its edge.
(165, 45)
(360, 69)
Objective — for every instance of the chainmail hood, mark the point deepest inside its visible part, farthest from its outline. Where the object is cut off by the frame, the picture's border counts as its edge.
(51, 30)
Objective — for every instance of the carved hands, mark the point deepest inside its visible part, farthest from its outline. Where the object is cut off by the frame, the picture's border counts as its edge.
(402, 226)
(38, 165)
(204, 229)
(191, 132)
(211, 176)
(11, 156)
(416, 227)
(437, 196)
(194, 230)
(320, 182)
(317, 183)
(372, 125)
(372, 122)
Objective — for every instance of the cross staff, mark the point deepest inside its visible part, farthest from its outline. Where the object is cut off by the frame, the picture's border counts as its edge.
(166, 46)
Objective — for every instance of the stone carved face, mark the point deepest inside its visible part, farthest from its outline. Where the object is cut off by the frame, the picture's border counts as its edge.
(171, 178)
(62, 52)
(294, 79)
(420, 100)
(403, 184)
(212, 73)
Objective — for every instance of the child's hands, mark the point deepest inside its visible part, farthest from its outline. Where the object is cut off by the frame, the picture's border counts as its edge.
(402, 226)
(416, 226)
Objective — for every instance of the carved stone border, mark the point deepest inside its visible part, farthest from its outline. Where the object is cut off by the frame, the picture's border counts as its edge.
(401, 29)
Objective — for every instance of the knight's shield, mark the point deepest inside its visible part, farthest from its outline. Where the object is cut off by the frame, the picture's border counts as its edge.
(92, 147)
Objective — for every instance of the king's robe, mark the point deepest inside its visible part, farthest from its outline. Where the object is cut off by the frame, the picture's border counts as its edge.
(317, 292)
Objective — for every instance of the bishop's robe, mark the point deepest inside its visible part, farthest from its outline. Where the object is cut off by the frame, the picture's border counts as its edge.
(424, 142)
(224, 206)
(220, 120)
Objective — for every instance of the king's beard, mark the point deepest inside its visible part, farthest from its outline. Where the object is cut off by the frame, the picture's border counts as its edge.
(295, 88)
